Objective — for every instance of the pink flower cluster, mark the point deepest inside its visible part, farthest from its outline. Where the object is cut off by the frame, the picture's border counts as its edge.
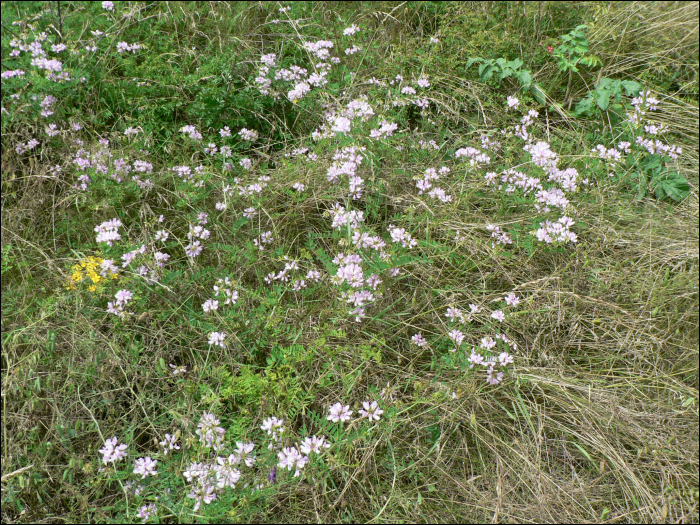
(400, 235)
(192, 132)
(556, 232)
(346, 163)
(217, 339)
(123, 46)
(385, 130)
(123, 297)
(476, 157)
(426, 184)
(108, 231)
(111, 452)
(209, 479)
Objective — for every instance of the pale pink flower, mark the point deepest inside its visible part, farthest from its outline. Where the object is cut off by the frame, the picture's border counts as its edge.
(111, 452)
(371, 411)
(512, 299)
(145, 466)
(338, 412)
(217, 339)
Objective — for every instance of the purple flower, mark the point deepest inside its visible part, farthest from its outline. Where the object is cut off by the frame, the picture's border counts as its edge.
(193, 249)
(371, 411)
(352, 273)
(457, 336)
(419, 340)
(111, 452)
(170, 443)
(190, 130)
(209, 305)
(351, 30)
(512, 299)
(487, 343)
(340, 413)
(145, 466)
(210, 434)
(226, 474)
(247, 134)
(244, 453)
(314, 444)
(146, 511)
(291, 458)
(107, 231)
(217, 339)
(123, 297)
(205, 491)
(505, 358)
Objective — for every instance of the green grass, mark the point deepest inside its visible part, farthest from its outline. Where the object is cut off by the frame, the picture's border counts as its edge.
(596, 419)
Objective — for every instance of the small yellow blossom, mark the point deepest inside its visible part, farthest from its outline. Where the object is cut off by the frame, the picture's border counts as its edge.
(87, 268)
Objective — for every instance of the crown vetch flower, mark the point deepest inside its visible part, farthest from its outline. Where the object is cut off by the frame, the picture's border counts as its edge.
(340, 413)
(111, 452)
(145, 466)
(371, 411)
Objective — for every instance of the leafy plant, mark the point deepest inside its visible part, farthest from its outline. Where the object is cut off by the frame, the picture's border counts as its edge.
(606, 91)
(574, 51)
(651, 172)
(503, 69)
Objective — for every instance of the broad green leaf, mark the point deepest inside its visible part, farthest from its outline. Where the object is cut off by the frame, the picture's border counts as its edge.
(538, 93)
(525, 80)
(584, 106)
(604, 83)
(632, 88)
(486, 71)
(603, 100)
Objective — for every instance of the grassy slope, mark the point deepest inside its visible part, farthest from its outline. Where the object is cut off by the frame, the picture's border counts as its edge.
(599, 418)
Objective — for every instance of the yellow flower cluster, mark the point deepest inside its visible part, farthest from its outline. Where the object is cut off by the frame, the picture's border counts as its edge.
(87, 270)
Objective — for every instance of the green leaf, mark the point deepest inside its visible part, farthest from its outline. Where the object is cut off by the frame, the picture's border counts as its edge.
(603, 100)
(486, 71)
(688, 402)
(641, 191)
(591, 61)
(538, 93)
(584, 107)
(674, 186)
(632, 88)
(506, 72)
(525, 79)
(604, 83)
(585, 453)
